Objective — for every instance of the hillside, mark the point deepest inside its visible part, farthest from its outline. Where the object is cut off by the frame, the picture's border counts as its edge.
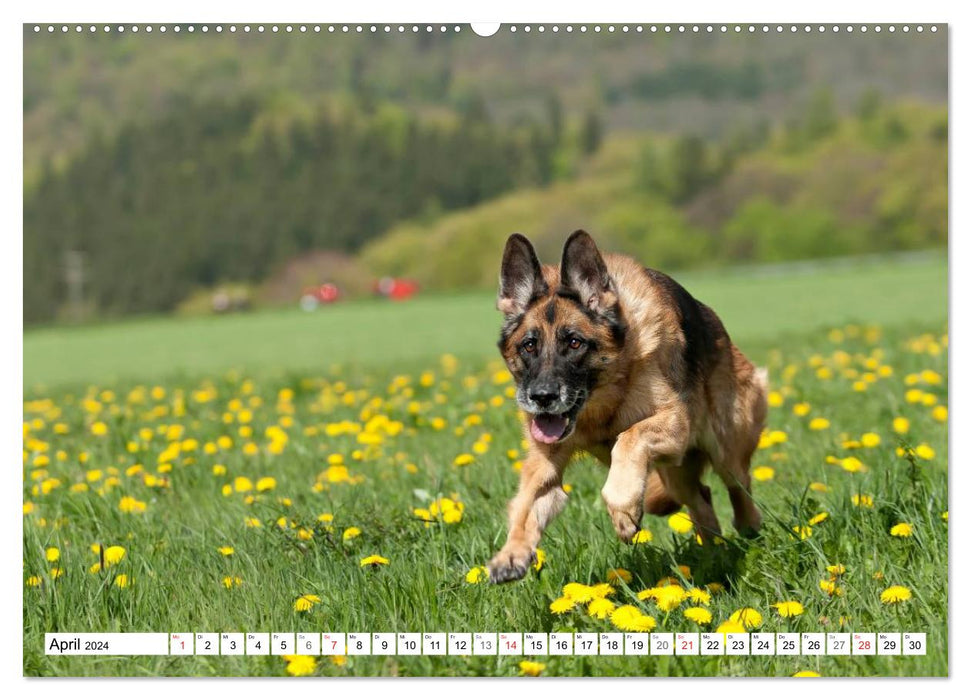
(77, 87)
(870, 183)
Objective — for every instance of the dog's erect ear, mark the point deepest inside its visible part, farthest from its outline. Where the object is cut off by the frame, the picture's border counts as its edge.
(521, 278)
(583, 270)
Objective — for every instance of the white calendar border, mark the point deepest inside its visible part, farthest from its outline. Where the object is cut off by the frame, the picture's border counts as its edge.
(11, 644)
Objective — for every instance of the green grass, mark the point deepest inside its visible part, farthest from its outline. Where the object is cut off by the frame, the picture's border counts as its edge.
(177, 572)
(758, 306)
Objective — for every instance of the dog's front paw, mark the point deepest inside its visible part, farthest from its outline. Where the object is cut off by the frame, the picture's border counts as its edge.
(625, 513)
(626, 524)
(510, 565)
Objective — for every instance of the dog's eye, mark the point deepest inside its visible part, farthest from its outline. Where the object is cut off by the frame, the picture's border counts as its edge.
(575, 343)
(529, 346)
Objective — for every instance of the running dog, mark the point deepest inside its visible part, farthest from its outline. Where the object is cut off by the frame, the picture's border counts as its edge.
(620, 361)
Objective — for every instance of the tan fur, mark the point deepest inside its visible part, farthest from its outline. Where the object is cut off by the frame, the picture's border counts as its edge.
(654, 430)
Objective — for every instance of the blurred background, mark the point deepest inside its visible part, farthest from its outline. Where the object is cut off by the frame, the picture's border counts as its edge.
(207, 173)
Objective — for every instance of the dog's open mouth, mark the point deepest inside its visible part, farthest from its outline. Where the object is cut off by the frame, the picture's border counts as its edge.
(549, 427)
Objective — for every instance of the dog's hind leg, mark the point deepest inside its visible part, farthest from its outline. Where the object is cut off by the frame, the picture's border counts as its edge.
(657, 498)
(733, 470)
(683, 481)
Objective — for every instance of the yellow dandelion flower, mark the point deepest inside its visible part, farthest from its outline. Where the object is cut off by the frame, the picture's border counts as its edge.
(463, 460)
(578, 592)
(114, 554)
(669, 597)
(939, 413)
(750, 618)
(902, 530)
(253, 522)
(924, 451)
(34, 581)
(642, 537)
(630, 619)
(477, 574)
(99, 429)
(789, 608)
(818, 424)
(375, 560)
(819, 487)
(128, 504)
(804, 531)
(267, 483)
(805, 674)
(600, 608)
(230, 581)
(305, 602)
(698, 595)
(763, 473)
(730, 626)
(680, 523)
(901, 425)
(226, 551)
(615, 575)
(830, 588)
(531, 668)
(869, 440)
(715, 588)
(852, 465)
(300, 665)
(601, 590)
(895, 594)
(699, 616)
(862, 500)
(540, 556)
(818, 518)
(350, 533)
(52, 554)
(801, 409)
(836, 570)
(122, 581)
(562, 605)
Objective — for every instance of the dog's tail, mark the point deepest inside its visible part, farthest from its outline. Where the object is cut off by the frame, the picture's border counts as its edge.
(657, 500)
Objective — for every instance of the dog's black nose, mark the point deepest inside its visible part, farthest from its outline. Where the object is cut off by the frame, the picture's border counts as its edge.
(544, 394)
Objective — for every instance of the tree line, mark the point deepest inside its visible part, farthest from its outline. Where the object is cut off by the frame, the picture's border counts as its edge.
(226, 191)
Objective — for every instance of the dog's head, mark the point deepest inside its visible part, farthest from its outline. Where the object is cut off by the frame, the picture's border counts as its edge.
(562, 329)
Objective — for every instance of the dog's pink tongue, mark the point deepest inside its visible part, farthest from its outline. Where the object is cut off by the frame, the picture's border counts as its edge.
(547, 428)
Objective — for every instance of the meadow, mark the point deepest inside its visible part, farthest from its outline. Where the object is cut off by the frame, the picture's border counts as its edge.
(349, 470)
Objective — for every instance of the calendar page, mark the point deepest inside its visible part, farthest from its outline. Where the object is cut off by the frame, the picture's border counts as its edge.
(267, 427)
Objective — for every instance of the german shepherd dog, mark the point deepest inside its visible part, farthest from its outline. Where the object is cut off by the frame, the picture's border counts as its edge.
(619, 360)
